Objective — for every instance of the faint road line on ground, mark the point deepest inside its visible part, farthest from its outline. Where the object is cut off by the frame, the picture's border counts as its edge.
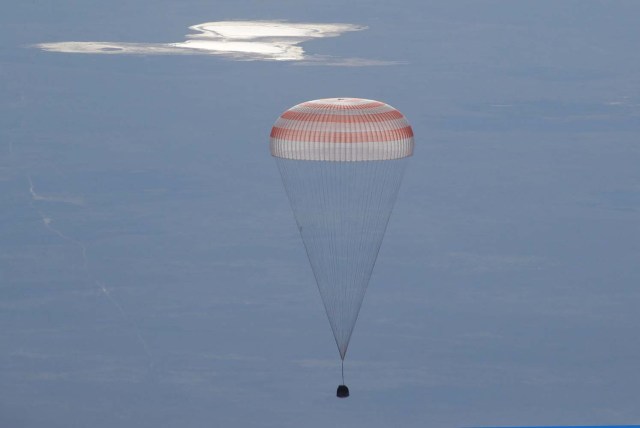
(47, 222)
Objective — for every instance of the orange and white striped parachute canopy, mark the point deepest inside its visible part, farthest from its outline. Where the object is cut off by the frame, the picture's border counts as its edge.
(342, 129)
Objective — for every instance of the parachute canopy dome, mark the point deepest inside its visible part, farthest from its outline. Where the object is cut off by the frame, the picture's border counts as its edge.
(343, 130)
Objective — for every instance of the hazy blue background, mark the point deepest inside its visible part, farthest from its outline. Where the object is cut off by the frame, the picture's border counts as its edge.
(506, 291)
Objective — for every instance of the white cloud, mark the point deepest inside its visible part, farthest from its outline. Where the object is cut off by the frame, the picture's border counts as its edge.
(240, 40)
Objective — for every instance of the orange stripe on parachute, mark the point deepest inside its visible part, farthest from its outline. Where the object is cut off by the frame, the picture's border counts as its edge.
(338, 118)
(306, 135)
(336, 106)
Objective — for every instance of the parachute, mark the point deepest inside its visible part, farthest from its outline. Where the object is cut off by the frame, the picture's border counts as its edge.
(342, 161)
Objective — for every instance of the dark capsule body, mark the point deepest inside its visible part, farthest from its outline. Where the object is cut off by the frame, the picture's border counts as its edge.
(342, 392)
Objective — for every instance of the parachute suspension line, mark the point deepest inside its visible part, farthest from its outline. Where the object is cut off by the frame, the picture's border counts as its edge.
(342, 365)
(342, 210)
